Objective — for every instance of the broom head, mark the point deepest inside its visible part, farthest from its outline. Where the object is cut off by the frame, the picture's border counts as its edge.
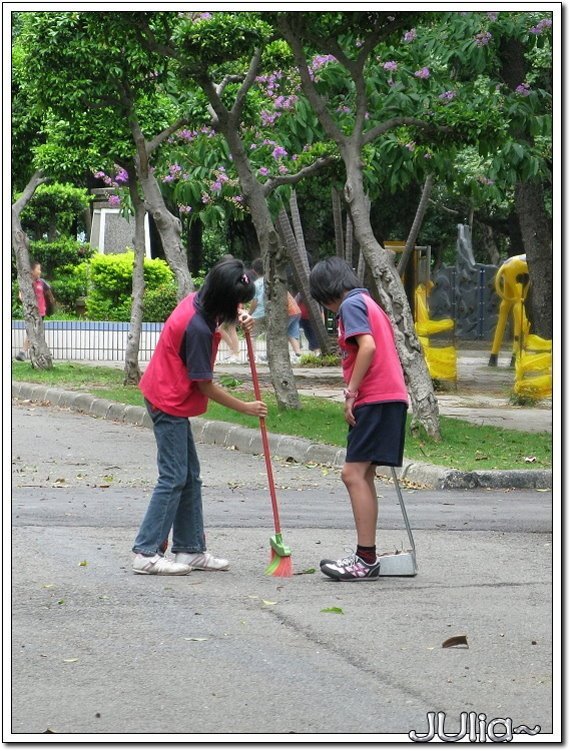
(281, 564)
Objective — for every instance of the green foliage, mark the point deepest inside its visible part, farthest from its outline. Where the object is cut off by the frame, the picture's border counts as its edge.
(69, 284)
(110, 285)
(160, 301)
(57, 254)
(53, 210)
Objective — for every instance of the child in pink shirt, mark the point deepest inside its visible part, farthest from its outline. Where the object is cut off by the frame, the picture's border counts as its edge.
(375, 407)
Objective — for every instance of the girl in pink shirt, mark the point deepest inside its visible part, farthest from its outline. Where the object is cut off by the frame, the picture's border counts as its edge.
(375, 406)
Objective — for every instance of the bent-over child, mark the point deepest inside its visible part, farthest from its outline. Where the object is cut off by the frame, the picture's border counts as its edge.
(176, 385)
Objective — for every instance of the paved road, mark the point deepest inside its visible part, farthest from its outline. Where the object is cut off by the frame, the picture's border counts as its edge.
(98, 650)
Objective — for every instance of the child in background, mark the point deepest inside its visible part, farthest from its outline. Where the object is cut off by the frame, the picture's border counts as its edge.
(176, 385)
(44, 300)
(375, 405)
(293, 318)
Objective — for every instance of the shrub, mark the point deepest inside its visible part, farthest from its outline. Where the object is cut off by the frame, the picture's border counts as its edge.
(110, 284)
(54, 209)
(159, 303)
(58, 254)
(69, 285)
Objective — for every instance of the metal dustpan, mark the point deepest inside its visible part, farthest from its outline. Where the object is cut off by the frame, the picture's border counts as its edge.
(400, 562)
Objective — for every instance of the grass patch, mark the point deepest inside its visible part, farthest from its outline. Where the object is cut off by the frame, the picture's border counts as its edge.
(465, 446)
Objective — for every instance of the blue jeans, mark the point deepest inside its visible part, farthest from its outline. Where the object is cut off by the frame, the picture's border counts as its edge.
(177, 498)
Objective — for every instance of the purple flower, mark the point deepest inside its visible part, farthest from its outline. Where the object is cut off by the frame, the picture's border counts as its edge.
(263, 171)
(283, 169)
(492, 15)
(410, 35)
(483, 38)
(485, 180)
(427, 155)
(122, 176)
(238, 199)
(523, 89)
(279, 152)
(99, 174)
(268, 118)
(216, 186)
(447, 96)
(206, 198)
(423, 73)
(344, 109)
(114, 200)
(183, 209)
(546, 23)
(168, 178)
(411, 145)
(390, 65)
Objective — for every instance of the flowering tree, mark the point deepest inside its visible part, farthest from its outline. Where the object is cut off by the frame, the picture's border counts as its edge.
(99, 83)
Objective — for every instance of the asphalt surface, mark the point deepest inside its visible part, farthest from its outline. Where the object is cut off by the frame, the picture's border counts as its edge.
(97, 650)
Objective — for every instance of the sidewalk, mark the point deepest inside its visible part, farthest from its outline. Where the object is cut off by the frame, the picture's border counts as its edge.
(482, 398)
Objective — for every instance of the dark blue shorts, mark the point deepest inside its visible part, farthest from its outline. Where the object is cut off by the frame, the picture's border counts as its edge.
(379, 434)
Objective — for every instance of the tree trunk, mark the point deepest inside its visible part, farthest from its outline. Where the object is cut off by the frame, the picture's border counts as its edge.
(132, 369)
(169, 229)
(275, 271)
(40, 355)
(337, 222)
(349, 244)
(537, 237)
(301, 272)
(416, 225)
(393, 299)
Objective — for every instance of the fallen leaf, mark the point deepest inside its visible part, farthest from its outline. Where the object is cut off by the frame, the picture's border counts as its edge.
(253, 597)
(60, 602)
(306, 571)
(530, 459)
(83, 563)
(48, 730)
(456, 641)
(269, 602)
(72, 659)
(333, 610)
(48, 586)
(195, 638)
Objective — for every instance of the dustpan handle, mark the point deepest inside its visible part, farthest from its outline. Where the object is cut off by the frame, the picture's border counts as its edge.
(403, 510)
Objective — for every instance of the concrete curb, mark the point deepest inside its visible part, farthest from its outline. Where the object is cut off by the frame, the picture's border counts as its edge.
(283, 446)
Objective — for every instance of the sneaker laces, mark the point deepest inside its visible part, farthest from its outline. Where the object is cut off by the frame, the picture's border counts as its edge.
(348, 560)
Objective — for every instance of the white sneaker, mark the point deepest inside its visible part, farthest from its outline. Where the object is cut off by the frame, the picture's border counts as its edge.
(232, 360)
(158, 564)
(203, 561)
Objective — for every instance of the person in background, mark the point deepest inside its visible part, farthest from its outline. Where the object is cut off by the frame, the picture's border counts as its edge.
(228, 331)
(44, 299)
(176, 385)
(306, 325)
(257, 307)
(293, 330)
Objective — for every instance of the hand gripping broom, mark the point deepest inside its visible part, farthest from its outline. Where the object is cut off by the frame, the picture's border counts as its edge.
(281, 564)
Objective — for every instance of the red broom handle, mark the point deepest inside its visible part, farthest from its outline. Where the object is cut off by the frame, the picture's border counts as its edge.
(263, 429)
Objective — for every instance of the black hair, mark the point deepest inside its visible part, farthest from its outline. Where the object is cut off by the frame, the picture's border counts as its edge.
(225, 287)
(330, 278)
(257, 266)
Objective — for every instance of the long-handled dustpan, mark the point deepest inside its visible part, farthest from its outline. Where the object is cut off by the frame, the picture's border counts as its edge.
(400, 562)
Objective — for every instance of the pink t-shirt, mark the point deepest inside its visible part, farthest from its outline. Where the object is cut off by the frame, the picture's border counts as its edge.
(384, 380)
(184, 355)
(38, 286)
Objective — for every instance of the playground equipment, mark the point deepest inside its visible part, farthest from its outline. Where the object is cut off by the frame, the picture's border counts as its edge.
(533, 368)
(441, 360)
(511, 285)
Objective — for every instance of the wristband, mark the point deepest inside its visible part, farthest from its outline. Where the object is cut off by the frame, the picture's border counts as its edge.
(349, 394)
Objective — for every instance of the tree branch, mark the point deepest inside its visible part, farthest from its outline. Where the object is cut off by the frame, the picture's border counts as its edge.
(160, 137)
(317, 102)
(395, 122)
(311, 169)
(246, 85)
(35, 180)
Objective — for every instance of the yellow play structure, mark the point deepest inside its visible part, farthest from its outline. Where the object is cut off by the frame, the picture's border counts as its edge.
(532, 355)
(441, 360)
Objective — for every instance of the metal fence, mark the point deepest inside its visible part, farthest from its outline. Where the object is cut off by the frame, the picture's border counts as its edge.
(106, 341)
